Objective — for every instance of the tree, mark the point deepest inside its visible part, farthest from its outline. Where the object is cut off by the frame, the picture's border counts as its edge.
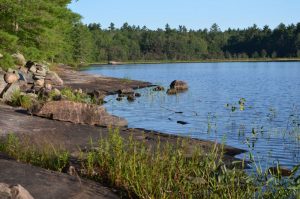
(112, 27)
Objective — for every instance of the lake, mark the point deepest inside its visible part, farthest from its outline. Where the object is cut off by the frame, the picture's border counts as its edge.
(268, 125)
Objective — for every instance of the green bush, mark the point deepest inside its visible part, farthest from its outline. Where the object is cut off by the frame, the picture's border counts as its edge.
(8, 42)
(70, 95)
(18, 99)
(32, 53)
(6, 61)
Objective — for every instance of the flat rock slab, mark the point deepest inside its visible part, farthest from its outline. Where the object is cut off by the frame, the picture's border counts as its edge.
(90, 83)
(41, 131)
(45, 184)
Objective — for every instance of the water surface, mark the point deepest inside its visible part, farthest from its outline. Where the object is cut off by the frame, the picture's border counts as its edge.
(268, 127)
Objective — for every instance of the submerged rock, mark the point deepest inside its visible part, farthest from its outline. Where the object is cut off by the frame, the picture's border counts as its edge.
(182, 122)
(130, 98)
(137, 95)
(158, 88)
(281, 171)
(78, 113)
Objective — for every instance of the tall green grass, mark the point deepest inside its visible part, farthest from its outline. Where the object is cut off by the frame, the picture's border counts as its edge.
(47, 157)
(17, 99)
(140, 170)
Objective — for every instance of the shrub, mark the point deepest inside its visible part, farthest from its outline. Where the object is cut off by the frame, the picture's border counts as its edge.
(70, 95)
(18, 99)
(6, 61)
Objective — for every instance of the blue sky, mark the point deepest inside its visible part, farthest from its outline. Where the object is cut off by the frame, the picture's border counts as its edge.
(193, 14)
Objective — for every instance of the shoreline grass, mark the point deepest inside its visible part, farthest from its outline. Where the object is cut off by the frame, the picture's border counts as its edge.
(162, 171)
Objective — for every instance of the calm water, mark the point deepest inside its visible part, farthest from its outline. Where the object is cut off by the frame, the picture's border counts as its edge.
(269, 126)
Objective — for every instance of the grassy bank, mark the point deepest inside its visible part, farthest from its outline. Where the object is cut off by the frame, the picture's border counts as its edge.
(199, 61)
(160, 171)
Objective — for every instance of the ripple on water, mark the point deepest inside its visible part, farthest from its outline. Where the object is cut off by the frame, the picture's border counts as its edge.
(267, 127)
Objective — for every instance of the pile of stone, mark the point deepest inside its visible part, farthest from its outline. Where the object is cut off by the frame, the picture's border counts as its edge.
(30, 78)
(36, 73)
(177, 86)
(35, 79)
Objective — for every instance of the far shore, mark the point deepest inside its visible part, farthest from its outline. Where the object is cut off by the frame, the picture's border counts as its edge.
(194, 61)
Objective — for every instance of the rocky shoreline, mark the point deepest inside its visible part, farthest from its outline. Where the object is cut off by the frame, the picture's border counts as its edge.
(72, 136)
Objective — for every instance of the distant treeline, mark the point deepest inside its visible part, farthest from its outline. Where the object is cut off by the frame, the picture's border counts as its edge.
(48, 30)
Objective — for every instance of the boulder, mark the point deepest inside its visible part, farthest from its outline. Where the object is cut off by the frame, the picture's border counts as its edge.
(19, 192)
(48, 87)
(32, 69)
(11, 78)
(78, 113)
(9, 70)
(13, 192)
(179, 85)
(5, 191)
(19, 59)
(130, 98)
(53, 79)
(7, 90)
(39, 83)
(2, 82)
(29, 64)
(40, 71)
(23, 69)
